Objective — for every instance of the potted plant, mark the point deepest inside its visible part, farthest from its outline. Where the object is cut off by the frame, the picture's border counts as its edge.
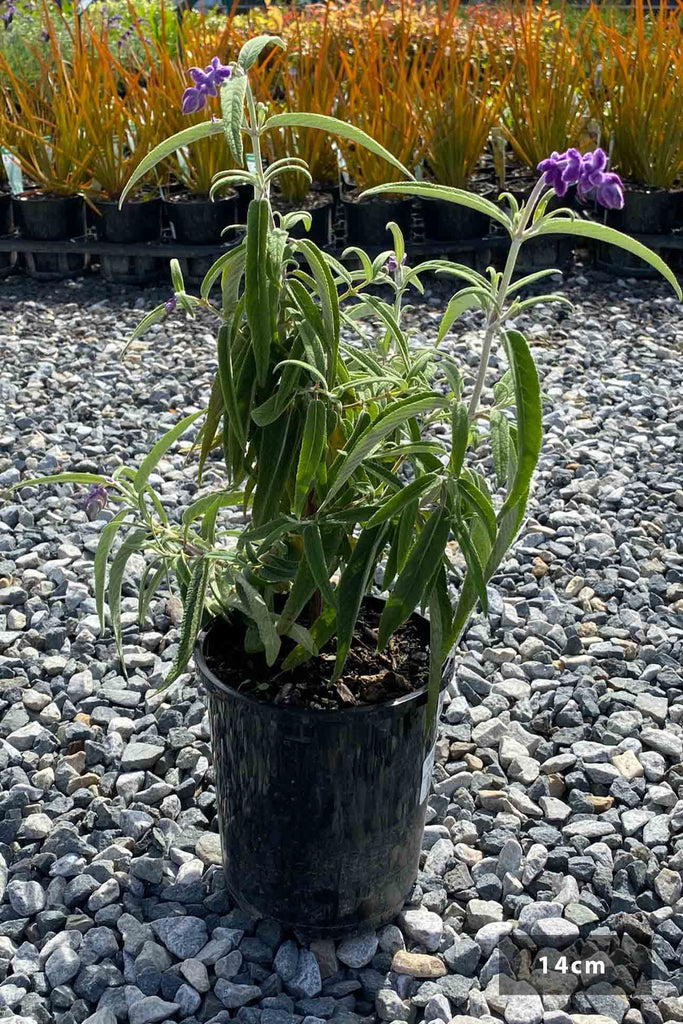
(7, 259)
(544, 107)
(309, 79)
(459, 111)
(43, 136)
(638, 103)
(323, 701)
(384, 87)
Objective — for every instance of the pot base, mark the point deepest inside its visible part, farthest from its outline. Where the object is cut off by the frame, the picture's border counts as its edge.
(138, 270)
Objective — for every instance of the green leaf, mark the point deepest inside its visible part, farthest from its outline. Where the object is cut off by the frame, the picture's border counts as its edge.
(62, 478)
(312, 448)
(149, 583)
(202, 505)
(602, 233)
(193, 612)
(376, 432)
(320, 632)
(421, 566)
(315, 556)
(233, 94)
(278, 446)
(386, 315)
(500, 445)
(253, 48)
(427, 190)
(211, 425)
(351, 589)
(227, 382)
(397, 502)
(465, 299)
(336, 127)
(101, 557)
(475, 570)
(460, 436)
(439, 628)
(298, 597)
(157, 314)
(329, 300)
(224, 265)
(262, 618)
(183, 138)
(481, 505)
(134, 541)
(161, 447)
(256, 286)
(529, 415)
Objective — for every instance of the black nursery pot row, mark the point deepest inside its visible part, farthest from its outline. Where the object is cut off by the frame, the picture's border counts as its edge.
(197, 221)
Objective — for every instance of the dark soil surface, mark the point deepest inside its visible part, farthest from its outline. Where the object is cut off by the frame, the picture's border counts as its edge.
(369, 677)
(311, 201)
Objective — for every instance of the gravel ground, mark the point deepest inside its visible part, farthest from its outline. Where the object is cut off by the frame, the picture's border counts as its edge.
(555, 813)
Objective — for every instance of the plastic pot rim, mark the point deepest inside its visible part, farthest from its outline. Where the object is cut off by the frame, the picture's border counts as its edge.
(330, 715)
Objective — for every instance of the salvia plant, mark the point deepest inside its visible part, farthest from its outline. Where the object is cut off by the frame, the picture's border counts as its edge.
(327, 435)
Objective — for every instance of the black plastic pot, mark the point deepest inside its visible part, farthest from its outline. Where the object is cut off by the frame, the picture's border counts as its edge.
(366, 221)
(321, 812)
(652, 212)
(321, 223)
(48, 218)
(136, 221)
(199, 221)
(7, 259)
(448, 222)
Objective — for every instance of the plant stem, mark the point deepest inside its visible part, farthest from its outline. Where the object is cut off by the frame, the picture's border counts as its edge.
(496, 314)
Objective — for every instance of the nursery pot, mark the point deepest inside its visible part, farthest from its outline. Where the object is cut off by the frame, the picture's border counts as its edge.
(5, 213)
(449, 222)
(43, 217)
(321, 218)
(136, 221)
(646, 211)
(198, 221)
(48, 218)
(366, 221)
(321, 812)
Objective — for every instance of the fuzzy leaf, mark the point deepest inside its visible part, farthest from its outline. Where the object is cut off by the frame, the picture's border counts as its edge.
(252, 49)
(160, 448)
(256, 285)
(427, 190)
(312, 447)
(233, 94)
(101, 557)
(183, 138)
(193, 612)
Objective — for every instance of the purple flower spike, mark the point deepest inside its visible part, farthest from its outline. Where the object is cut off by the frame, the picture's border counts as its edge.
(171, 304)
(610, 192)
(95, 501)
(8, 15)
(592, 172)
(206, 83)
(572, 170)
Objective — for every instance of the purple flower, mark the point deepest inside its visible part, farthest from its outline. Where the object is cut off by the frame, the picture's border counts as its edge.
(8, 15)
(589, 174)
(95, 500)
(205, 84)
(553, 168)
(610, 192)
(171, 304)
(392, 263)
(592, 172)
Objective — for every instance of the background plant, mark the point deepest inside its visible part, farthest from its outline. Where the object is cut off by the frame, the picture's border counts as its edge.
(637, 99)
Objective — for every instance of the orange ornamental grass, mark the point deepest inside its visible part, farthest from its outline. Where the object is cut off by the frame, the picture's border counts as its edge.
(637, 98)
(40, 122)
(545, 106)
(385, 77)
(459, 108)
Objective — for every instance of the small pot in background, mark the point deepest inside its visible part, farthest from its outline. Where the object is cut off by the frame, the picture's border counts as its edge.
(138, 220)
(646, 211)
(44, 217)
(7, 259)
(196, 220)
(366, 220)
(450, 222)
(320, 205)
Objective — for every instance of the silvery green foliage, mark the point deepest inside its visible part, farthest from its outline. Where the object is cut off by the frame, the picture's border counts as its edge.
(317, 434)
